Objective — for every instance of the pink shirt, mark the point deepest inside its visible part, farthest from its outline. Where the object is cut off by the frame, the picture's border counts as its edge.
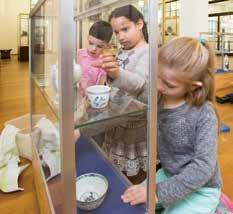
(91, 75)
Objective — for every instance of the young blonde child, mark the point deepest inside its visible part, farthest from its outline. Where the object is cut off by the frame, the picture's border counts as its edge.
(189, 181)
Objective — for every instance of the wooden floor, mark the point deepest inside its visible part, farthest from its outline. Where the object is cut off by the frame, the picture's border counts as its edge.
(14, 89)
(14, 101)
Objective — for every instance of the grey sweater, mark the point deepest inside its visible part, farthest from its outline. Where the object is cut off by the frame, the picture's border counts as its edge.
(187, 149)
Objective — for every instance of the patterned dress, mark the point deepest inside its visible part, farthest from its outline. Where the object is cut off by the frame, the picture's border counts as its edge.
(126, 144)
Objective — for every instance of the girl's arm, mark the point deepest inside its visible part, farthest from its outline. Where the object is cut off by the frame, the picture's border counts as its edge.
(201, 168)
(135, 82)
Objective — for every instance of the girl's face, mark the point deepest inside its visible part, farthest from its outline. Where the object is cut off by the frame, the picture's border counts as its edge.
(169, 86)
(95, 46)
(128, 33)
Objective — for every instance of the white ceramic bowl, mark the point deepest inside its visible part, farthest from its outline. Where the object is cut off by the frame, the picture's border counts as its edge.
(98, 95)
(91, 189)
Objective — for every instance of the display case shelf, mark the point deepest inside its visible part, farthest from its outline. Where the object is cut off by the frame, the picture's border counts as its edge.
(119, 106)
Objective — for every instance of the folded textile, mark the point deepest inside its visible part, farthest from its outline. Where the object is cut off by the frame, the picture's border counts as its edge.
(9, 176)
(8, 147)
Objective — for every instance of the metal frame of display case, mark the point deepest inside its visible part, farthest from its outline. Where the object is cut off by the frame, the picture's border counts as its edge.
(66, 44)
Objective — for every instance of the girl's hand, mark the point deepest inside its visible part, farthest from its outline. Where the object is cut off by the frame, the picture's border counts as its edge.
(76, 134)
(109, 64)
(135, 195)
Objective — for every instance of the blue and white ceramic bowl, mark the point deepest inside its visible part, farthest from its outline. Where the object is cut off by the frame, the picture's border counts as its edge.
(91, 189)
(98, 95)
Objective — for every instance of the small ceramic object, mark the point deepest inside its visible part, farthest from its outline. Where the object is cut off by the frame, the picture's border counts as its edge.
(91, 189)
(98, 95)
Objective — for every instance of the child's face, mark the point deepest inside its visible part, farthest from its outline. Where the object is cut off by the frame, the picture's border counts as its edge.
(95, 46)
(169, 86)
(128, 33)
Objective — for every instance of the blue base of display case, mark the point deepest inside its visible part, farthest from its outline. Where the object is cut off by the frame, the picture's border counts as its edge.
(90, 159)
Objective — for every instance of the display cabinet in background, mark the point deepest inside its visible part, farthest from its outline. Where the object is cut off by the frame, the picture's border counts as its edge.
(168, 19)
(221, 22)
(33, 3)
(23, 50)
(58, 28)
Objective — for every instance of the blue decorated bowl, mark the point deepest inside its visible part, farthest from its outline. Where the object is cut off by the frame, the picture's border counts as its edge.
(91, 189)
(98, 95)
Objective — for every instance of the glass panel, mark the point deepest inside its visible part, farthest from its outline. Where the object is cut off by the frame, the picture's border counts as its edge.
(226, 25)
(221, 7)
(45, 99)
(125, 111)
(212, 24)
(38, 48)
(120, 125)
(119, 105)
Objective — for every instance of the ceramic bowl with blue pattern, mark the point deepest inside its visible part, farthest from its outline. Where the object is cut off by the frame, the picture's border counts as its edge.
(98, 95)
(91, 189)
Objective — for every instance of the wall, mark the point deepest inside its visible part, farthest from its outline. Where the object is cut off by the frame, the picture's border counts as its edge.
(193, 17)
(9, 12)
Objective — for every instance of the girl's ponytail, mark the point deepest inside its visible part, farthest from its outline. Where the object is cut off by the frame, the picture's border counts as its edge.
(145, 31)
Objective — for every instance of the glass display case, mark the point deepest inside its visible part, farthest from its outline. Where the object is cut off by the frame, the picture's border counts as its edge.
(58, 31)
(23, 37)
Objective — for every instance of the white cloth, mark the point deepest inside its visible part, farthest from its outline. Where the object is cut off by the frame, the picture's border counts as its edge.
(8, 147)
(9, 158)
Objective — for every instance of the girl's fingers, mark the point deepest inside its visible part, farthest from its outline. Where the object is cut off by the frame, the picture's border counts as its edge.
(106, 55)
(97, 64)
(131, 190)
(109, 65)
(105, 65)
(134, 195)
(130, 193)
(138, 200)
(108, 59)
(127, 198)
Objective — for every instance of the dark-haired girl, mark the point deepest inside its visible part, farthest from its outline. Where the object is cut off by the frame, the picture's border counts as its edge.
(126, 144)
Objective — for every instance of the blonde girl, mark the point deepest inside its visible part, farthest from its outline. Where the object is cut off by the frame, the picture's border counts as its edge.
(189, 181)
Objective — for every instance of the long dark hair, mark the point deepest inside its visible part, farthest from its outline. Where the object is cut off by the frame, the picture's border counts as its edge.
(131, 13)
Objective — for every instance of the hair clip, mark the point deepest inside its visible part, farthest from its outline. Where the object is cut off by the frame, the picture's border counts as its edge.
(202, 41)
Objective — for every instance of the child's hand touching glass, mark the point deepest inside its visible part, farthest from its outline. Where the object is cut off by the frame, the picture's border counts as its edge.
(135, 194)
